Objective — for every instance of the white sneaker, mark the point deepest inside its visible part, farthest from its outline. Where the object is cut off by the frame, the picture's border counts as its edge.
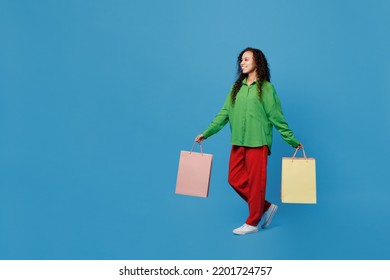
(269, 215)
(245, 229)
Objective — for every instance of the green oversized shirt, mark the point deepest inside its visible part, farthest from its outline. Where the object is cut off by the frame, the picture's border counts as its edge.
(251, 119)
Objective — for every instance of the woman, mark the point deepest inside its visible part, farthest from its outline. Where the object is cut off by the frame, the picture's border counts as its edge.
(252, 108)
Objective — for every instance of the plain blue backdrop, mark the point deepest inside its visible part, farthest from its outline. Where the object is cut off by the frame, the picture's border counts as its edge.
(98, 97)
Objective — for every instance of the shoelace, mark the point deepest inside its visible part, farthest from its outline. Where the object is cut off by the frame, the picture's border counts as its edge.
(246, 226)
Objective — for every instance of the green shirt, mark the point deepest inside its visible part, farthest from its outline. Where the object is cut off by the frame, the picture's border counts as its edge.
(251, 120)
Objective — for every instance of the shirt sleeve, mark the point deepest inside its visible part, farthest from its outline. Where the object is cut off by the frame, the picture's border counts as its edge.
(275, 115)
(220, 119)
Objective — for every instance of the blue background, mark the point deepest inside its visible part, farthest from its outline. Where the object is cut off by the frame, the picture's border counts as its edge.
(98, 97)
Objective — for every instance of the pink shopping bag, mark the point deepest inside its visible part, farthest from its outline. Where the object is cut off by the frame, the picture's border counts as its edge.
(193, 176)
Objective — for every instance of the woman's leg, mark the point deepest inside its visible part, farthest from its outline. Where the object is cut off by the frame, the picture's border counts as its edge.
(238, 175)
(256, 165)
(247, 175)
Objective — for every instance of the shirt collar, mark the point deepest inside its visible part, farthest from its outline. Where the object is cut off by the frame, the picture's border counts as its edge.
(244, 81)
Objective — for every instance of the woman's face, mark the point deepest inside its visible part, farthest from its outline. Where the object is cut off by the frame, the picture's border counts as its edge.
(247, 64)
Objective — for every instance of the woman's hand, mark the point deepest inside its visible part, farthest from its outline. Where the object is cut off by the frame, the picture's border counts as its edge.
(299, 146)
(199, 138)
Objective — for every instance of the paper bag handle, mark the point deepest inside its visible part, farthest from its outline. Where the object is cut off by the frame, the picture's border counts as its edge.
(200, 145)
(303, 151)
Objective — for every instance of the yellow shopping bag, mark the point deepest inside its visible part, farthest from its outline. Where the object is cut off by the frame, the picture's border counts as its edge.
(298, 179)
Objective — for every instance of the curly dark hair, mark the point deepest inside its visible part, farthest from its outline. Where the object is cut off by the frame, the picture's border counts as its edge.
(262, 70)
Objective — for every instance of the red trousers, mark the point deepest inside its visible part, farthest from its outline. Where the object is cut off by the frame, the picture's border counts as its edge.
(248, 177)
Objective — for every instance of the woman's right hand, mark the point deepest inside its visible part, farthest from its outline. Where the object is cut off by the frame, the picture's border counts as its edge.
(199, 138)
